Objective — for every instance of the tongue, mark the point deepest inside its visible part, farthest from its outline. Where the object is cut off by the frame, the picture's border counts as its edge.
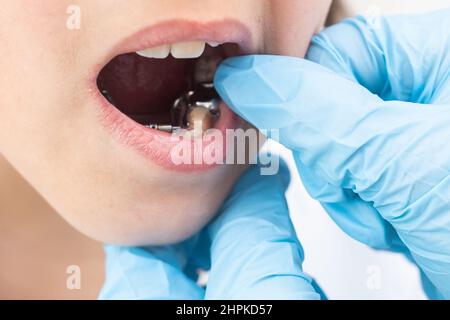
(139, 86)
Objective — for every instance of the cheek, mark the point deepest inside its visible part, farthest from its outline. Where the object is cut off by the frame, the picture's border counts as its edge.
(39, 66)
(291, 24)
(38, 104)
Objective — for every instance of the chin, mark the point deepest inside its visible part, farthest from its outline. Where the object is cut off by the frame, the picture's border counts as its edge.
(151, 213)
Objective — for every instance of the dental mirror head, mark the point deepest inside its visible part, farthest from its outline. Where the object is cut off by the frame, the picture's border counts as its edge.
(198, 105)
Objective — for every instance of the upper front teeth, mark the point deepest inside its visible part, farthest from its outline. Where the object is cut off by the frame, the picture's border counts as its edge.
(181, 50)
(160, 52)
(188, 50)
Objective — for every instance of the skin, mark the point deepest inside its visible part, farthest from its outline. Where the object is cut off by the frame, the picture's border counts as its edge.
(50, 131)
(37, 246)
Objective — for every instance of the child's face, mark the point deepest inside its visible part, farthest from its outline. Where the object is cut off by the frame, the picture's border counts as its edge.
(107, 175)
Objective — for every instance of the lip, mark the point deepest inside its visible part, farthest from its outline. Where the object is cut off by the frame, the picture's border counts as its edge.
(154, 145)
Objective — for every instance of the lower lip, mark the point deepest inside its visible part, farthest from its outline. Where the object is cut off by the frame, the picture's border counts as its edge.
(157, 146)
(154, 145)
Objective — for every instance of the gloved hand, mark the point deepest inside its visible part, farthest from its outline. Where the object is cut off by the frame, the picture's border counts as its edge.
(370, 132)
(254, 253)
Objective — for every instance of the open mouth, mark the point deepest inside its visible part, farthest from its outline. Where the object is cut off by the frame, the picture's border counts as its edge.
(147, 85)
(161, 80)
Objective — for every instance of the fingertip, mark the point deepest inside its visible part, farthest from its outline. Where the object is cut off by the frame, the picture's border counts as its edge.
(258, 87)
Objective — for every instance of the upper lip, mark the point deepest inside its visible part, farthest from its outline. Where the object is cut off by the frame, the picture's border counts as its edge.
(151, 143)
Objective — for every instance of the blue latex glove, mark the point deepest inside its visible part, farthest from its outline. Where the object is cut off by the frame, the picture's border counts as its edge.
(150, 273)
(254, 253)
(370, 136)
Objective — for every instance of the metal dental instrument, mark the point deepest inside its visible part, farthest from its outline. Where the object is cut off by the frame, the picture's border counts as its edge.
(185, 107)
(202, 101)
(166, 128)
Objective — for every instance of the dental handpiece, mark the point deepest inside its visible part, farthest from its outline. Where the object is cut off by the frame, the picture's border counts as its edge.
(200, 104)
